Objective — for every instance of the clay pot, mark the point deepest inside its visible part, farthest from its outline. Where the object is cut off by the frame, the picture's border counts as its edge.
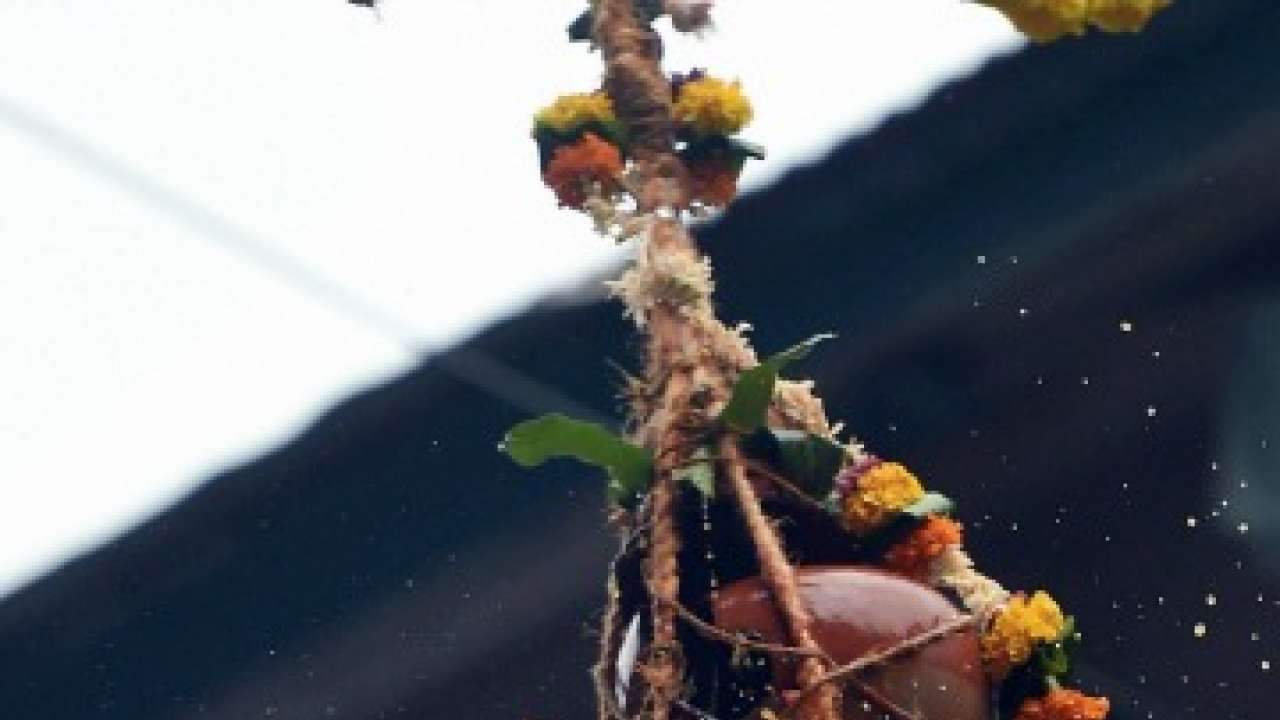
(859, 610)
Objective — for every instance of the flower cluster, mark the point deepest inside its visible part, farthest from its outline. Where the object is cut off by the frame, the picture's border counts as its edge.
(1062, 704)
(1018, 629)
(580, 144)
(708, 111)
(588, 168)
(1048, 20)
(914, 555)
(873, 491)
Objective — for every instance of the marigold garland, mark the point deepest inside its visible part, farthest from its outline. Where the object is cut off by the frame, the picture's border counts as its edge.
(1063, 704)
(875, 491)
(579, 170)
(1017, 629)
(914, 555)
(710, 106)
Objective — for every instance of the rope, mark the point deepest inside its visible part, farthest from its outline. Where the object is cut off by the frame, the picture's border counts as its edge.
(821, 700)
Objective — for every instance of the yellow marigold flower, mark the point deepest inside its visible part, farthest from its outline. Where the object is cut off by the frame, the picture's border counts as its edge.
(712, 106)
(573, 112)
(1018, 629)
(1124, 15)
(1045, 20)
(1064, 705)
(878, 492)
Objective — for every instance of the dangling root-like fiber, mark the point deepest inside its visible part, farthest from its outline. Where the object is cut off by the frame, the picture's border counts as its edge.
(605, 672)
(662, 668)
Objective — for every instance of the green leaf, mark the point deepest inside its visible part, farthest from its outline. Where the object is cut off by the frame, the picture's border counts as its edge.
(808, 461)
(1055, 658)
(700, 473)
(931, 504)
(630, 467)
(754, 390)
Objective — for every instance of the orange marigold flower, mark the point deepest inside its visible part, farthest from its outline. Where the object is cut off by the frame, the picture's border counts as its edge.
(913, 555)
(713, 183)
(575, 170)
(1064, 705)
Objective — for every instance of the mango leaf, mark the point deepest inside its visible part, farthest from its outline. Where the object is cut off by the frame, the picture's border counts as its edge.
(754, 390)
(700, 473)
(808, 461)
(630, 467)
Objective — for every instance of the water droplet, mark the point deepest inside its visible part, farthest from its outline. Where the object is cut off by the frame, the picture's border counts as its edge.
(1155, 354)
(1191, 522)
(1210, 599)
(1213, 465)
(1266, 665)
(1151, 411)
(1126, 326)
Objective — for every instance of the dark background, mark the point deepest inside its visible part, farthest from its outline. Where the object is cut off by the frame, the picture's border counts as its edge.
(980, 258)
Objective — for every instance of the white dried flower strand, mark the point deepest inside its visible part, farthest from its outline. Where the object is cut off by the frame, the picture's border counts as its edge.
(795, 402)
(982, 596)
(613, 217)
(676, 279)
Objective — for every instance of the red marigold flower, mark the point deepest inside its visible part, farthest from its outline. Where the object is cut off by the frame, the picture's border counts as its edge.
(1064, 704)
(713, 183)
(913, 555)
(578, 169)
